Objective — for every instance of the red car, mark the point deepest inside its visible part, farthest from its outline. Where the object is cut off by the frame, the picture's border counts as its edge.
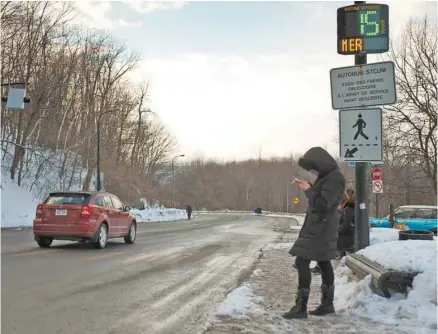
(83, 216)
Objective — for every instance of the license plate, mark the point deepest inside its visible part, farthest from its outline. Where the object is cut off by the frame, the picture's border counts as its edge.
(61, 212)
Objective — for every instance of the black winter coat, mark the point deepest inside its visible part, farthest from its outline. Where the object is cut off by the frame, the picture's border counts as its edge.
(317, 240)
(346, 226)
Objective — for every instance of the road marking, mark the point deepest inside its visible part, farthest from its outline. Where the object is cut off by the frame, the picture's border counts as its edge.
(38, 252)
(103, 256)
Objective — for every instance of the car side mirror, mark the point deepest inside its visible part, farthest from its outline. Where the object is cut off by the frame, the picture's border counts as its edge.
(127, 208)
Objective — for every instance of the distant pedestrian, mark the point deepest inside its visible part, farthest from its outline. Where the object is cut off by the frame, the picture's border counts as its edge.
(189, 211)
(317, 240)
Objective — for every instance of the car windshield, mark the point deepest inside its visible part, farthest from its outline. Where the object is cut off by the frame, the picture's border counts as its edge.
(69, 198)
(404, 212)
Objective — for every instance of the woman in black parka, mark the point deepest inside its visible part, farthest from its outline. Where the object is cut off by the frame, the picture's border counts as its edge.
(317, 240)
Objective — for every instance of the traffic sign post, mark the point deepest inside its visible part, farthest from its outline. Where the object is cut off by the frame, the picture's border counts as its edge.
(362, 29)
(360, 132)
(376, 175)
(361, 86)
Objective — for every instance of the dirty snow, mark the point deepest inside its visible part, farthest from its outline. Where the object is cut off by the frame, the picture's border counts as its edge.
(359, 310)
(382, 234)
(159, 214)
(238, 303)
(279, 245)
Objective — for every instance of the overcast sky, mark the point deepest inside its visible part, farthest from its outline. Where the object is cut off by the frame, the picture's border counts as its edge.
(231, 78)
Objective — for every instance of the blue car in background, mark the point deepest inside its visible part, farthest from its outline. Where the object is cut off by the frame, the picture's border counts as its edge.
(411, 217)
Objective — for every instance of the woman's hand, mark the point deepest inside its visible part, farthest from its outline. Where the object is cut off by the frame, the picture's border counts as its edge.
(303, 185)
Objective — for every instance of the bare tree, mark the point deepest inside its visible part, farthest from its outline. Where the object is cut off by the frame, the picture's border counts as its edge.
(411, 123)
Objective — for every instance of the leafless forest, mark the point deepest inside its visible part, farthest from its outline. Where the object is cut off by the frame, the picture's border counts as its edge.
(76, 78)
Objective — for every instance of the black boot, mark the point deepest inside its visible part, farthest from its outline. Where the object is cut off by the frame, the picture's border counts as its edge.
(326, 306)
(299, 311)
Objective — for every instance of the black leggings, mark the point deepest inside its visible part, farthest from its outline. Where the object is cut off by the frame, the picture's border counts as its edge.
(305, 277)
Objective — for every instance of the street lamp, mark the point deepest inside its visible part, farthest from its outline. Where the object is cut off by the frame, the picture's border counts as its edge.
(173, 177)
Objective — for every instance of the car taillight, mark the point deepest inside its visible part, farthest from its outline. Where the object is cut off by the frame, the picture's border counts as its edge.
(86, 211)
(39, 211)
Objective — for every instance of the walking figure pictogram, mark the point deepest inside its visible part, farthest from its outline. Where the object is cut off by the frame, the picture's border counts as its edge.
(361, 124)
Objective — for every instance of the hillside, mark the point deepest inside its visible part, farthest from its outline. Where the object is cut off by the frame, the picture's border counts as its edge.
(18, 205)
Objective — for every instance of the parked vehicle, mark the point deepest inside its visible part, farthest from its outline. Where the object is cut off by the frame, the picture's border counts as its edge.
(411, 217)
(83, 216)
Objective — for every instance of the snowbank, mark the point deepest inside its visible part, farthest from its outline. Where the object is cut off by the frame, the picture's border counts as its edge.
(238, 303)
(382, 234)
(158, 214)
(18, 205)
(418, 309)
(408, 255)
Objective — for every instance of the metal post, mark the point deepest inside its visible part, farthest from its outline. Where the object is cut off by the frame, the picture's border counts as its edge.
(173, 182)
(377, 205)
(287, 195)
(362, 230)
(98, 185)
(391, 216)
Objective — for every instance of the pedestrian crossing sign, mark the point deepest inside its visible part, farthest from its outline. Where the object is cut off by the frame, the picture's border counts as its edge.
(360, 133)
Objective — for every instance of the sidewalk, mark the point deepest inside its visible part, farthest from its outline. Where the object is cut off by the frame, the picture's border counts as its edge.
(257, 306)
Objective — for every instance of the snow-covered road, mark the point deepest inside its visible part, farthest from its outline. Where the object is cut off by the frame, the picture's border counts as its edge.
(169, 281)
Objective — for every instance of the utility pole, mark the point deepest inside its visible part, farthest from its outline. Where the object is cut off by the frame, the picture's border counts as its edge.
(173, 177)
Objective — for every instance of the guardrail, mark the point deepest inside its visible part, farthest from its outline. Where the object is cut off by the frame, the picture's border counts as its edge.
(384, 281)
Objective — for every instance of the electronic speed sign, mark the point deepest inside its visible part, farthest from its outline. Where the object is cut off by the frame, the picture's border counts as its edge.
(363, 28)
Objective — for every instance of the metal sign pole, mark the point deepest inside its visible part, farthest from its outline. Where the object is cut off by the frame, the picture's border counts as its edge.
(362, 234)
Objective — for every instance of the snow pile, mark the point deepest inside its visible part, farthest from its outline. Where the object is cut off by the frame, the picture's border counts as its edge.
(418, 309)
(238, 303)
(408, 255)
(382, 234)
(279, 245)
(158, 214)
(18, 205)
